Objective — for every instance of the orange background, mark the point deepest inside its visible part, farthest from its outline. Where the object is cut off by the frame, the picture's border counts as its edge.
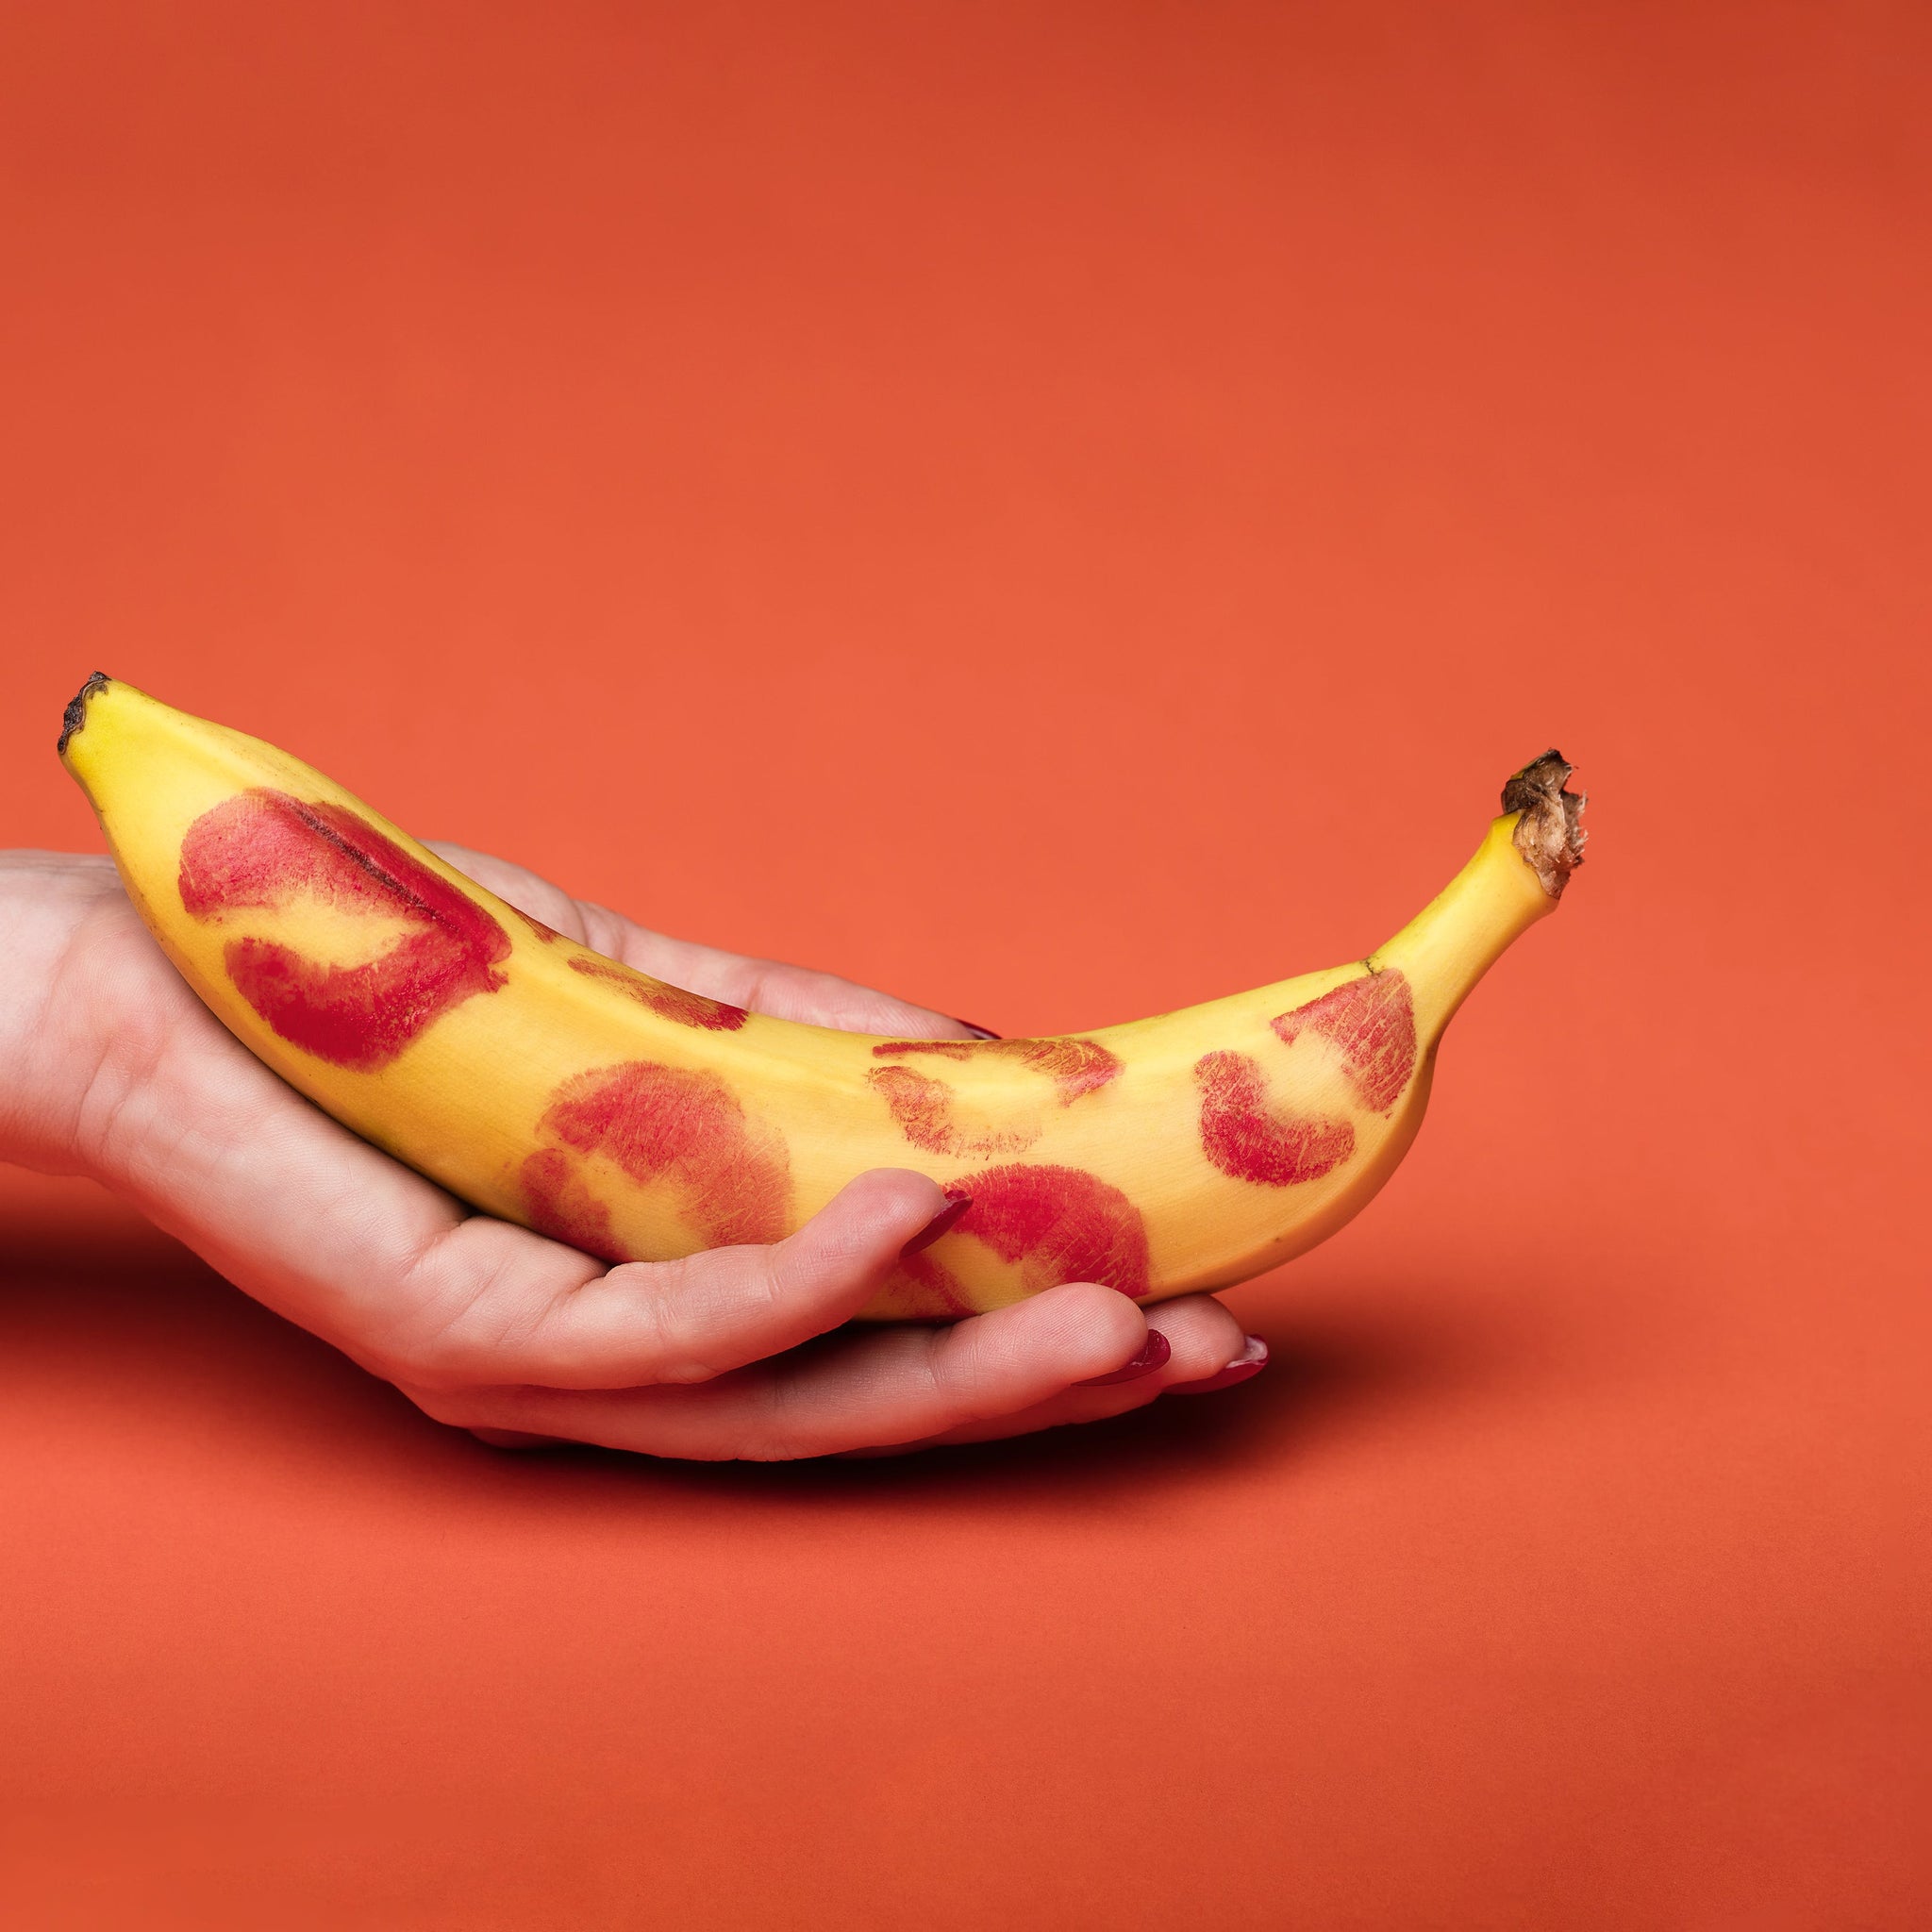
(1062, 511)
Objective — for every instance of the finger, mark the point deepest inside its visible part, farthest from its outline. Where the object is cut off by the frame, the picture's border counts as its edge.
(823, 999)
(784, 992)
(332, 1232)
(1203, 1341)
(1244, 1368)
(516, 885)
(760, 986)
(680, 1322)
(292, 1206)
(766, 986)
(894, 1383)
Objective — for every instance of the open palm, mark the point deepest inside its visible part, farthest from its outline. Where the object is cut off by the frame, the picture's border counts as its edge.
(110, 1066)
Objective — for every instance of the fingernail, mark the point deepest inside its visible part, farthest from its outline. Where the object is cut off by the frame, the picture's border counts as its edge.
(1250, 1362)
(1154, 1352)
(938, 1226)
(978, 1032)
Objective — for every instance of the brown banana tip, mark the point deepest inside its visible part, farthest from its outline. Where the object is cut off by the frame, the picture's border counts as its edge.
(1547, 833)
(75, 714)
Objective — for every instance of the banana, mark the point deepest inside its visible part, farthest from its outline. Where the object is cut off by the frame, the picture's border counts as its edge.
(641, 1122)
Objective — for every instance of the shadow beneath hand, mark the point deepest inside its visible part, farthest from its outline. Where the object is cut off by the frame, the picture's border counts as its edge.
(124, 1306)
(1328, 1374)
(1323, 1377)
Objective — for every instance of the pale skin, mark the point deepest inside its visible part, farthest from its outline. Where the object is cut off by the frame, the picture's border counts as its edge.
(111, 1067)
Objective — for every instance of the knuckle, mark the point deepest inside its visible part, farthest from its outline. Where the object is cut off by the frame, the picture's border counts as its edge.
(772, 1271)
(754, 991)
(970, 1376)
(660, 1346)
(440, 1359)
(774, 1431)
(437, 1359)
(437, 1347)
(604, 931)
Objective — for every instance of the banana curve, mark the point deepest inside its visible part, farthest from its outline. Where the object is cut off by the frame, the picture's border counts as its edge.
(548, 1085)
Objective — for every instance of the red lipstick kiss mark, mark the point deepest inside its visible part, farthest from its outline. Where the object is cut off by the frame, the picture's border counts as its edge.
(667, 1002)
(937, 1295)
(548, 934)
(563, 1208)
(732, 1179)
(1059, 1224)
(1074, 1066)
(1246, 1137)
(263, 848)
(1371, 1020)
(924, 1109)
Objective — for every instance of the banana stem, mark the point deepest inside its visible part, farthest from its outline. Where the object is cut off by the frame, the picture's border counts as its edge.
(1516, 878)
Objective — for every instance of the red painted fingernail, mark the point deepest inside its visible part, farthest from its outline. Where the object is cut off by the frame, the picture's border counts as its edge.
(938, 1226)
(1154, 1352)
(1250, 1362)
(978, 1032)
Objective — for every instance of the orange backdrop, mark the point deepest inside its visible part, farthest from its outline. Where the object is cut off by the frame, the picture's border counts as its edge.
(1062, 511)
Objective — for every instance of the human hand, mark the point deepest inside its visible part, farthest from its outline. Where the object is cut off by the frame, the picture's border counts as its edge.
(110, 1066)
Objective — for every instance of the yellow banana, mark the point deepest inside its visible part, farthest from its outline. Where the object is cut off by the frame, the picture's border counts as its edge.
(555, 1088)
